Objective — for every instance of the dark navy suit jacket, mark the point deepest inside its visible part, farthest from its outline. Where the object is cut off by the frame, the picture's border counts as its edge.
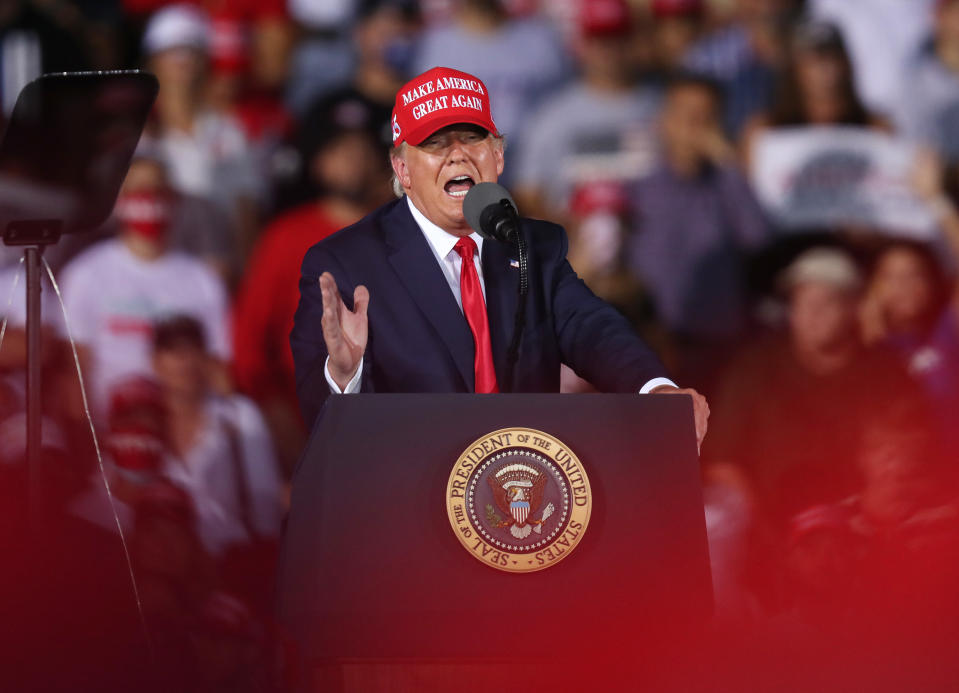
(419, 340)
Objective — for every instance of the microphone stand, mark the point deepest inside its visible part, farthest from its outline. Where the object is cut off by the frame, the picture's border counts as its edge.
(508, 227)
(64, 154)
(512, 354)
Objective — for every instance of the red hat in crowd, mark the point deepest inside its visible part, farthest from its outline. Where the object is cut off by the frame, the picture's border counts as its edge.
(437, 98)
(135, 438)
(229, 52)
(604, 18)
(676, 8)
(135, 394)
(599, 196)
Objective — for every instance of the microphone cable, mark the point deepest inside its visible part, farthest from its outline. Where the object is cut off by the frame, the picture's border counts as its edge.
(103, 473)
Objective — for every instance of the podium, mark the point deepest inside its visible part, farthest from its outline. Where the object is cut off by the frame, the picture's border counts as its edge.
(372, 569)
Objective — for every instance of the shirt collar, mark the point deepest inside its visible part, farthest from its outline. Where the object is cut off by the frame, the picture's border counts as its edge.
(441, 241)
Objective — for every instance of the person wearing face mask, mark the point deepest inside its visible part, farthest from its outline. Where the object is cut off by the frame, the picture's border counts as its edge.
(116, 290)
(134, 446)
(429, 304)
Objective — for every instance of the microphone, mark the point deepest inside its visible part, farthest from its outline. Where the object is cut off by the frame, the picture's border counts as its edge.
(490, 211)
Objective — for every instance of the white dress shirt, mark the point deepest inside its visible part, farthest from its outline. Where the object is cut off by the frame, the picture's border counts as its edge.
(441, 244)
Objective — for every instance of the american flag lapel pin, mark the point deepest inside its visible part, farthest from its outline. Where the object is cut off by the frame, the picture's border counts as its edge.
(514, 264)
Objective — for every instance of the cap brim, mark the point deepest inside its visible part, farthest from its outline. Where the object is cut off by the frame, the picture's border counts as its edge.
(419, 134)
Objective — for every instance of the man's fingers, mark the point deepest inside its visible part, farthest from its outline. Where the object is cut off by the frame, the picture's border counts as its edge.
(328, 291)
(361, 300)
(331, 316)
(328, 286)
(701, 409)
(327, 282)
(344, 336)
(341, 331)
(333, 301)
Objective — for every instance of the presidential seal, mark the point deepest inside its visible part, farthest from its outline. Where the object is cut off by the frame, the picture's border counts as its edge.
(519, 500)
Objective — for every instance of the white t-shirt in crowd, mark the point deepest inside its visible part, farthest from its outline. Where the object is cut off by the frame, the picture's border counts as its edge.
(881, 37)
(208, 472)
(322, 14)
(212, 161)
(13, 296)
(114, 299)
(583, 134)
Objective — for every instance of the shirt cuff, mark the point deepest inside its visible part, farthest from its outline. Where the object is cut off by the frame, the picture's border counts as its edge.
(352, 387)
(645, 389)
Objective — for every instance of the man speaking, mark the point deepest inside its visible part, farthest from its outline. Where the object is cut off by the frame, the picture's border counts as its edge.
(430, 303)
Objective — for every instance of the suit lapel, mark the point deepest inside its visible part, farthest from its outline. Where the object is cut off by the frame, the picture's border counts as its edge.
(502, 283)
(415, 264)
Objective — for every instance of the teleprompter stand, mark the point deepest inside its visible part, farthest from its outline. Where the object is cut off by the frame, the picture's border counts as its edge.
(63, 157)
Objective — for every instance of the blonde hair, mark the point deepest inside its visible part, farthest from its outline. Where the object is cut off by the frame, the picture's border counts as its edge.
(395, 181)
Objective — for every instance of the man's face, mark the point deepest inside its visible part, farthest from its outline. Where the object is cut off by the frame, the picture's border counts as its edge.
(947, 21)
(821, 316)
(690, 114)
(351, 167)
(892, 471)
(144, 175)
(820, 73)
(181, 369)
(606, 58)
(179, 69)
(764, 10)
(438, 173)
(144, 204)
(903, 287)
(673, 36)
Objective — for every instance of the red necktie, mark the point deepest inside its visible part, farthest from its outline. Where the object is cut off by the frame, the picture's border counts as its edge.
(474, 306)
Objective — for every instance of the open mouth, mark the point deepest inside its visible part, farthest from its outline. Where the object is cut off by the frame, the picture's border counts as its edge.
(458, 187)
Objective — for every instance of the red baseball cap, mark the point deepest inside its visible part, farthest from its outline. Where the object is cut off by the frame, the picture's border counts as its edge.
(604, 18)
(439, 97)
(229, 53)
(676, 8)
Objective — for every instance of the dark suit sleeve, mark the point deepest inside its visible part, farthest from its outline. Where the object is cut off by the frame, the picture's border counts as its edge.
(595, 339)
(306, 339)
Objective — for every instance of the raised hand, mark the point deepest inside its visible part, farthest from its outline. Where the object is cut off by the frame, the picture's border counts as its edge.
(926, 176)
(344, 331)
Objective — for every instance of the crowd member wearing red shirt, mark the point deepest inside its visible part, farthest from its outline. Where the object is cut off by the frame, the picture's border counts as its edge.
(347, 162)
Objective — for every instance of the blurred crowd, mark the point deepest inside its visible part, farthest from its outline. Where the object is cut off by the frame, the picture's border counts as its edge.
(829, 350)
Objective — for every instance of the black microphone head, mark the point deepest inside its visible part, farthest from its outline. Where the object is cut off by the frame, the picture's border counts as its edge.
(479, 198)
